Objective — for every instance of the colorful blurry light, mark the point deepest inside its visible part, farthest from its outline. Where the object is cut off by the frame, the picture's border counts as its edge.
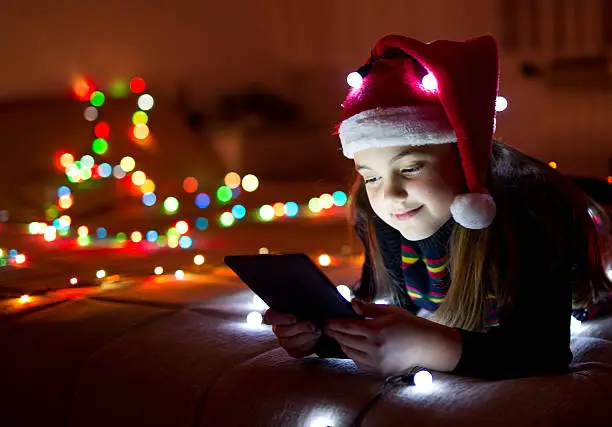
(20, 259)
(149, 199)
(83, 231)
(66, 159)
(264, 251)
(119, 89)
(139, 178)
(224, 194)
(202, 200)
(127, 164)
(101, 233)
(90, 114)
(266, 213)
(87, 161)
(179, 274)
(201, 223)
(232, 180)
(171, 205)
(190, 184)
(152, 236)
(291, 209)
(236, 192)
(24, 299)
(326, 200)
(354, 79)
(83, 89)
(339, 198)
(97, 99)
(198, 259)
(173, 242)
(239, 211)
(137, 85)
(553, 165)
(148, 186)
(51, 212)
(136, 236)
(185, 242)
(63, 191)
(145, 102)
(140, 118)
(279, 209)
(100, 274)
(99, 146)
(83, 240)
(102, 130)
(173, 232)
(65, 202)
(159, 270)
(74, 281)
(314, 205)
(141, 131)
(250, 183)
(65, 221)
(105, 170)
(609, 180)
(50, 234)
(182, 227)
(118, 172)
(121, 237)
(226, 219)
(324, 260)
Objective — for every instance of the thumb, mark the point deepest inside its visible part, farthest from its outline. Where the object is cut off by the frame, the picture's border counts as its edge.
(369, 309)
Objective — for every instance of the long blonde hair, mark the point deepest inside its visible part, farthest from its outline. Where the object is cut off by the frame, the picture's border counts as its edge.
(483, 262)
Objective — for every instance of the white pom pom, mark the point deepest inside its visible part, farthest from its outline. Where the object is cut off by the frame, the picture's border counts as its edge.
(473, 210)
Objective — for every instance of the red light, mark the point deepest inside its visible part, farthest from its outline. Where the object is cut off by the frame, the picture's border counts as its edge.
(102, 130)
(137, 85)
(610, 180)
(83, 89)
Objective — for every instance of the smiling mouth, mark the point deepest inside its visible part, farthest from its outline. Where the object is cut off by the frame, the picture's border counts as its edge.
(407, 214)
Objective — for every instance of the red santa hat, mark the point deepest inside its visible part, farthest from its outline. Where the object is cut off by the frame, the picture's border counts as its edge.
(415, 93)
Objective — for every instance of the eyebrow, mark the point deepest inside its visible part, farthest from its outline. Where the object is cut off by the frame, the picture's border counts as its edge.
(404, 153)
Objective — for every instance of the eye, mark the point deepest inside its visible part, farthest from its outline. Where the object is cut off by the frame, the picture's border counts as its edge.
(411, 170)
(371, 180)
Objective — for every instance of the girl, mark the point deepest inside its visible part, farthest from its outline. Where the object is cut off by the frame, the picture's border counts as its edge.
(493, 249)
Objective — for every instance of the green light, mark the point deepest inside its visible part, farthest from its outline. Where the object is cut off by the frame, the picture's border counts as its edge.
(83, 240)
(97, 99)
(140, 118)
(51, 213)
(226, 219)
(172, 232)
(99, 146)
(162, 241)
(64, 232)
(86, 174)
(119, 89)
(121, 237)
(266, 213)
(171, 205)
(224, 194)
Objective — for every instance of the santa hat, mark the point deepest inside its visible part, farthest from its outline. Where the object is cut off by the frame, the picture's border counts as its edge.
(415, 93)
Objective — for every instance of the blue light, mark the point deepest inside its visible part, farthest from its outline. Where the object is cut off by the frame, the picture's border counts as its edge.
(239, 211)
(13, 253)
(101, 233)
(291, 209)
(57, 223)
(152, 236)
(201, 223)
(202, 200)
(185, 242)
(149, 199)
(236, 192)
(105, 170)
(339, 198)
(63, 191)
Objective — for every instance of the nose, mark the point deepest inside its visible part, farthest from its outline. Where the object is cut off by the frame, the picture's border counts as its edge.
(394, 190)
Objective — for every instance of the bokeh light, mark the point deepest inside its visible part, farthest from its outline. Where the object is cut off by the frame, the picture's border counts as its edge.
(65, 202)
(149, 199)
(141, 131)
(90, 114)
(83, 89)
(182, 227)
(139, 178)
(266, 213)
(250, 183)
(171, 205)
(190, 184)
(136, 236)
(173, 242)
(74, 281)
(279, 209)
(314, 205)
(137, 85)
(118, 172)
(158, 270)
(226, 219)
(198, 259)
(127, 164)
(145, 102)
(185, 242)
(99, 146)
(179, 274)
(224, 194)
(140, 118)
(326, 200)
(121, 237)
(83, 231)
(24, 299)
(340, 198)
(148, 186)
(202, 200)
(105, 170)
(102, 130)
(50, 234)
(201, 223)
(20, 258)
(63, 191)
(100, 274)
(119, 89)
(152, 236)
(101, 233)
(66, 159)
(232, 180)
(87, 161)
(238, 211)
(97, 99)
(324, 260)
(291, 209)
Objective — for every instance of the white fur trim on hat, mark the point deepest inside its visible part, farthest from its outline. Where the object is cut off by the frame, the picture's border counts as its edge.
(473, 210)
(390, 127)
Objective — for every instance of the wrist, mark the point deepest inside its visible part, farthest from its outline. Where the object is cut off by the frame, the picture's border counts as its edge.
(441, 347)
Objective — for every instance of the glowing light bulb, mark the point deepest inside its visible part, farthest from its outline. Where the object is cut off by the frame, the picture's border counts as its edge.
(145, 102)
(345, 291)
(354, 79)
(100, 274)
(429, 82)
(179, 274)
(501, 103)
(136, 236)
(141, 131)
(158, 270)
(198, 259)
(74, 281)
(423, 379)
(553, 165)
(254, 319)
(264, 251)
(324, 260)
(24, 299)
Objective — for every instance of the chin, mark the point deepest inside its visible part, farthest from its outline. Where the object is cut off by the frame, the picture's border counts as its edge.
(414, 234)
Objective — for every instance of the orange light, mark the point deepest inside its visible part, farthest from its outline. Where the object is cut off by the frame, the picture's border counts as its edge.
(182, 227)
(66, 159)
(139, 178)
(83, 89)
(158, 270)
(136, 236)
(232, 180)
(24, 299)
(141, 131)
(190, 184)
(65, 202)
(279, 209)
(553, 165)
(610, 180)
(324, 260)
(148, 186)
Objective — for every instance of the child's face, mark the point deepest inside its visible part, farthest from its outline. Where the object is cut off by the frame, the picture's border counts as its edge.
(412, 188)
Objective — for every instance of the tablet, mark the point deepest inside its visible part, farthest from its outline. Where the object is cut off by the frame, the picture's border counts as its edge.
(292, 283)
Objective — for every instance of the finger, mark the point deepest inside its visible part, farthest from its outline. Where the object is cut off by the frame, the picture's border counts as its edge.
(357, 342)
(287, 331)
(302, 351)
(350, 326)
(359, 357)
(299, 340)
(272, 317)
